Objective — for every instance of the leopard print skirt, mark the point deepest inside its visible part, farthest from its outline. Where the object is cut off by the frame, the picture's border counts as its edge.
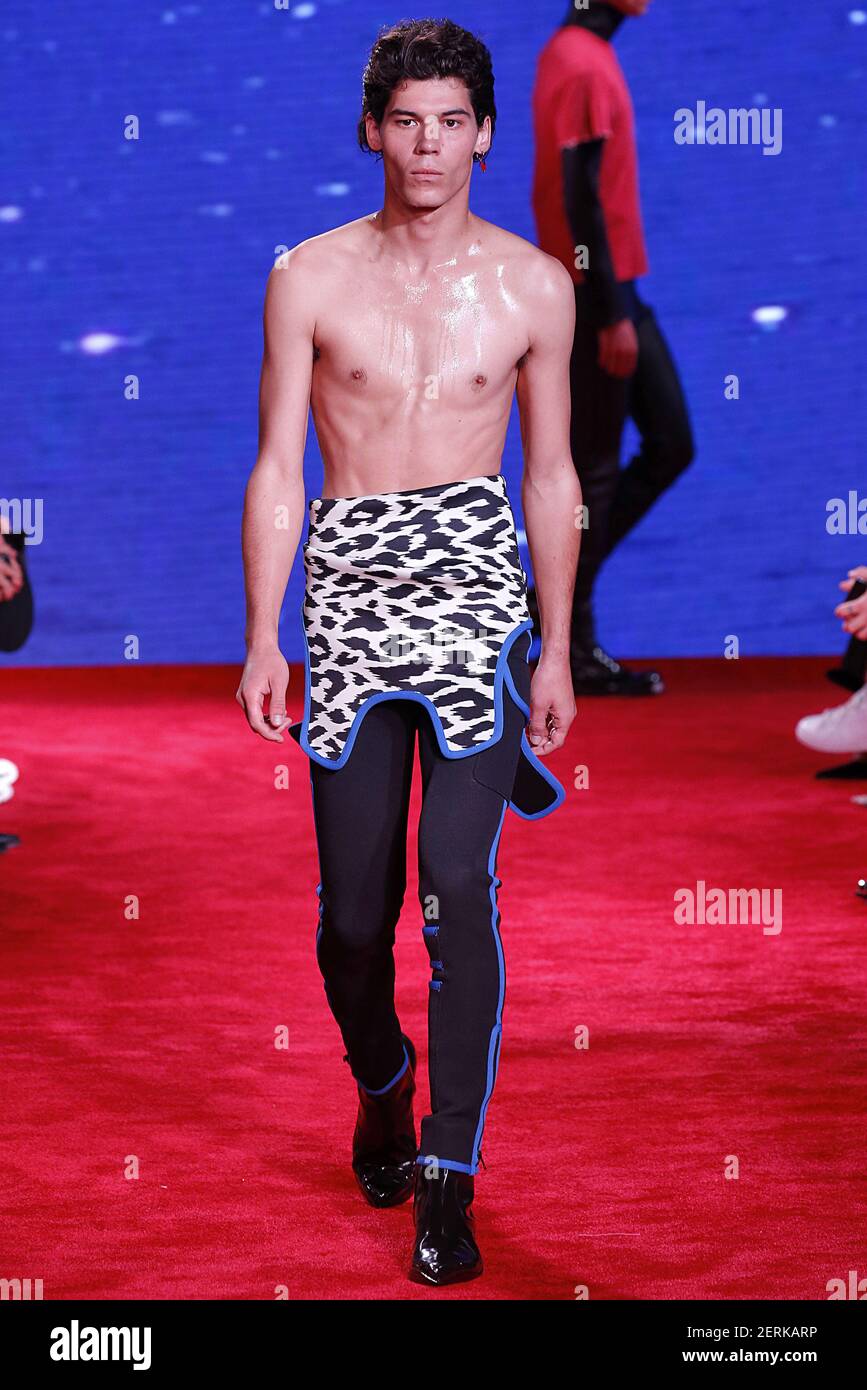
(419, 594)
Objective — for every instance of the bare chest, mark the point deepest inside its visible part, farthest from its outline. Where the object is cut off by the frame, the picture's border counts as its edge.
(443, 336)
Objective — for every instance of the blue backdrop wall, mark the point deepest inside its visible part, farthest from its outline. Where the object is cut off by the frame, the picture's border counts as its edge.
(150, 257)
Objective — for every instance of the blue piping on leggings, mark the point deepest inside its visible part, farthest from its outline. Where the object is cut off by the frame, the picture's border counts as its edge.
(447, 1163)
(496, 1031)
(387, 1087)
(319, 925)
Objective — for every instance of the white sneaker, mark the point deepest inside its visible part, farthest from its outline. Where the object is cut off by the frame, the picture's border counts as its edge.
(8, 776)
(839, 730)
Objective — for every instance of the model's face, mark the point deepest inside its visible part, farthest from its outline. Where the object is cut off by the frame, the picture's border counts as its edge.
(427, 138)
(631, 7)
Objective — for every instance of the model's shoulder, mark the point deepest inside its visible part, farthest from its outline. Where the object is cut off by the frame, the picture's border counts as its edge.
(525, 263)
(550, 276)
(320, 252)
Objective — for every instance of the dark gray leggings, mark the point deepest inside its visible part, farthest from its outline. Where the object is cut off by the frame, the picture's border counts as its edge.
(361, 816)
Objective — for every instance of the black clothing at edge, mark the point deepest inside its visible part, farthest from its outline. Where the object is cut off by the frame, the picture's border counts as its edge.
(616, 499)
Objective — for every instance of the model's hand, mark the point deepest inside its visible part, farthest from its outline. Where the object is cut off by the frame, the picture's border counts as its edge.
(552, 705)
(11, 573)
(859, 572)
(854, 614)
(266, 676)
(618, 348)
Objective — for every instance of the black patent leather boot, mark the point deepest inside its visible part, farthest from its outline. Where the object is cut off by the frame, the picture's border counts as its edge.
(445, 1250)
(384, 1145)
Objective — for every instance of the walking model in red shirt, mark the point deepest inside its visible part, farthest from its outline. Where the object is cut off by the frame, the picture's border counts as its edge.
(587, 209)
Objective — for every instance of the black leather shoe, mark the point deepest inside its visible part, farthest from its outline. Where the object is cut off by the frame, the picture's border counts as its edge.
(445, 1250)
(597, 673)
(384, 1146)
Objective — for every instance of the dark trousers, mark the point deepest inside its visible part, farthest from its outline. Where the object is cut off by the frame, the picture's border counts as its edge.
(361, 815)
(616, 498)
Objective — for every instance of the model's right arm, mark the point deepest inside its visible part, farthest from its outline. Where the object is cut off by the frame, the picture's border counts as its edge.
(274, 499)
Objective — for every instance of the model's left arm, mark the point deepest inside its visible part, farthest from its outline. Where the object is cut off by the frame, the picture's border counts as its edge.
(550, 493)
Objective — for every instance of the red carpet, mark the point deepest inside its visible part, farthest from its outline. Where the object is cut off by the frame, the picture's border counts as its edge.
(152, 1040)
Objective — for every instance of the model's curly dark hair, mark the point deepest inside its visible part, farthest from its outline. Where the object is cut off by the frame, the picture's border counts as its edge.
(416, 49)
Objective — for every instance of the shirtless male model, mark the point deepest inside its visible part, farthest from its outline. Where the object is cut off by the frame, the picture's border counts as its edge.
(407, 333)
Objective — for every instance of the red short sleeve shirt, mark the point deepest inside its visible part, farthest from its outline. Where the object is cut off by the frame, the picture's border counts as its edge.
(580, 94)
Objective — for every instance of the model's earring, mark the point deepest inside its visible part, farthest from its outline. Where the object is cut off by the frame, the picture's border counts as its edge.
(482, 163)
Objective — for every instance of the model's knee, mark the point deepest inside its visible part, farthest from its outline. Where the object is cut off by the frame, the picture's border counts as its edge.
(351, 921)
(452, 891)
